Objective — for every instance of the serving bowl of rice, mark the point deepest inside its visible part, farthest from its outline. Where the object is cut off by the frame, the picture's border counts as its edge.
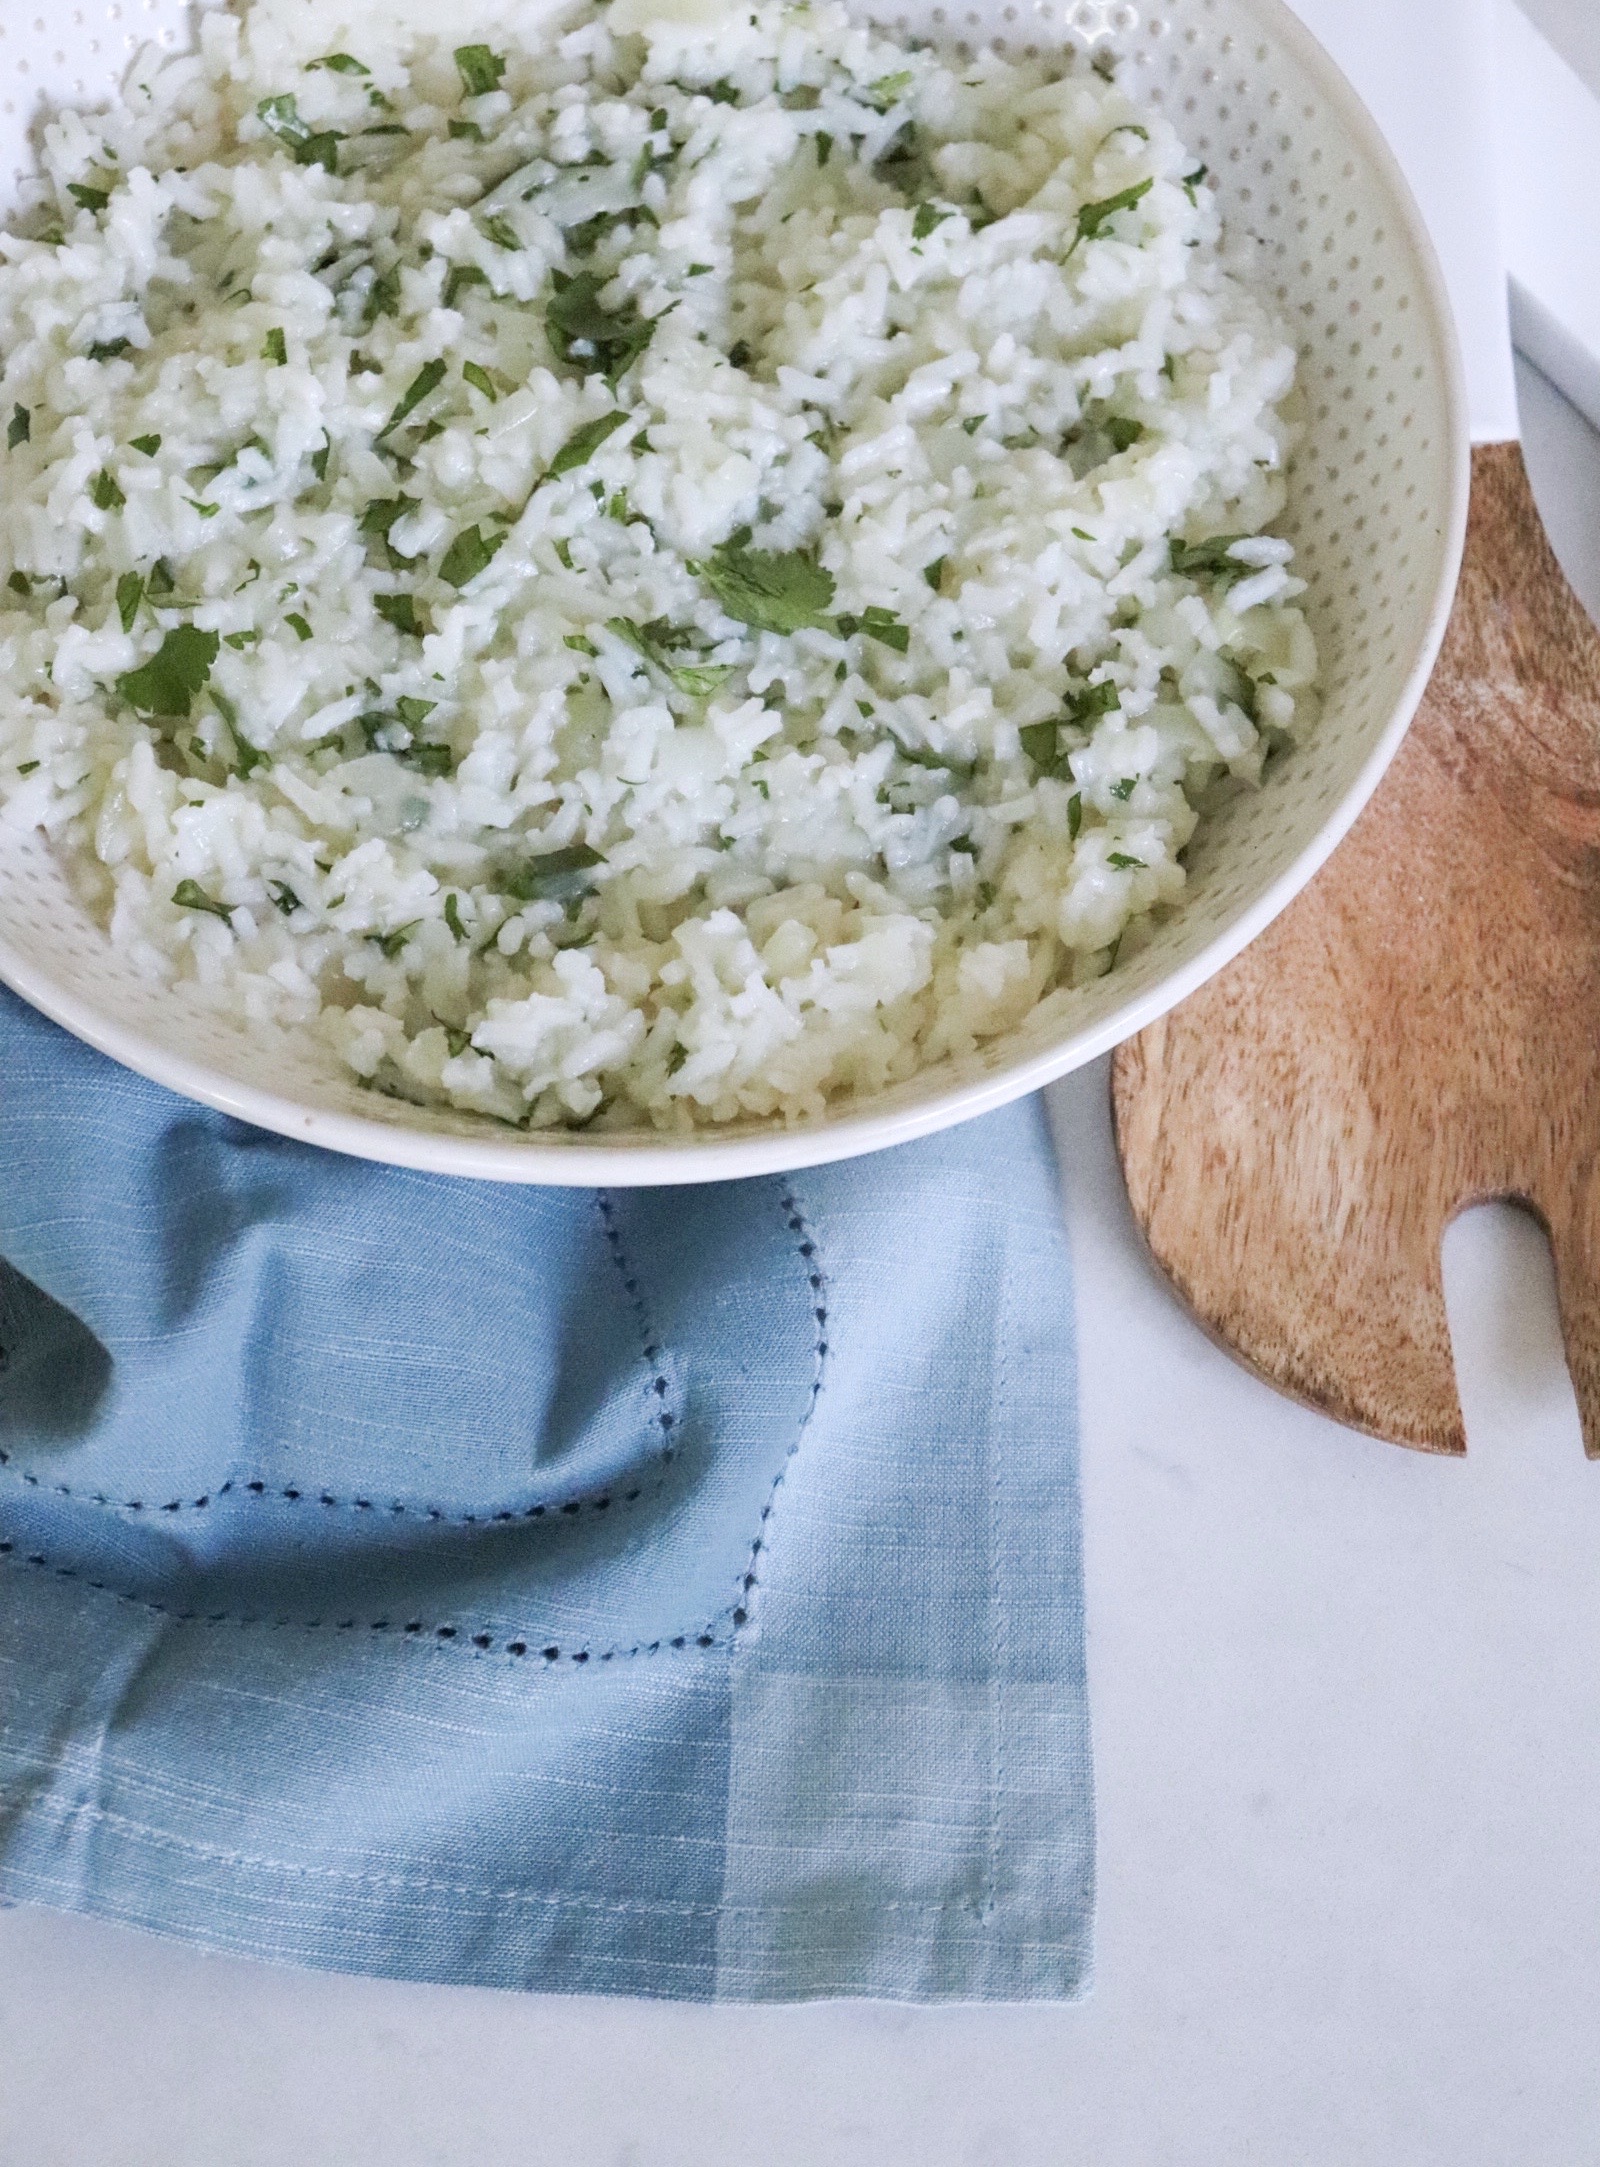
(654, 593)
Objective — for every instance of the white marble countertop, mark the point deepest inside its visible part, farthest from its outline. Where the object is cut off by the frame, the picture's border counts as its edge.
(1347, 1720)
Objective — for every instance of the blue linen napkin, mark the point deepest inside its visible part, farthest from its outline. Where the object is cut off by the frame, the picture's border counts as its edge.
(668, 1592)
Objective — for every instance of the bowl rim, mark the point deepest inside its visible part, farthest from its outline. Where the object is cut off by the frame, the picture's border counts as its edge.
(647, 1158)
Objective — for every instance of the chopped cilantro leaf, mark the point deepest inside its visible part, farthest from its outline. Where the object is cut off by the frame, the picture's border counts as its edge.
(130, 593)
(206, 511)
(1123, 432)
(1038, 741)
(560, 876)
(20, 583)
(480, 69)
(92, 199)
(319, 460)
(585, 336)
(580, 643)
(502, 232)
(1123, 790)
(582, 445)
(247, 757)
(824, 143)
(465, 131)
(149, 445)
(307, 148)
(383, 296)
(697, 270)
(1191, 181)
(772, 591)
(941, 763)
(108, 349)
(284, 898)
(428, 759)
(339, 64)
(27, 767)
(656, 641)
(428, 378)
(1093, 700)
(19, 428)
(467, 556)
(189, 895)
(161, 579)
(452, 916)
(934, 573)
(392, 943)
(480, 380)
(1074, 816)
(1125, 864)
(1208, 559)
(582, 239)
(298, 625)
(400, 610)
(1093, 217)
(889, 89)
(877, 624)
(105, 493)
(927, 216)
(461, 276)
(723, 93)
(275, 347)
(167, 683)
(1083, 534)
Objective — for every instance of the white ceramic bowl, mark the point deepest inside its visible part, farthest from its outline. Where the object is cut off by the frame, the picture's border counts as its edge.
(1377, 511)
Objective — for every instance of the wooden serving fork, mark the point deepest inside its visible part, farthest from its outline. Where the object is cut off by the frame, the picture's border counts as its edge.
(1418, 1032)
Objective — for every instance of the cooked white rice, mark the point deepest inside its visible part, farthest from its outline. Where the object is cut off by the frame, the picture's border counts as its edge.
(451, 737)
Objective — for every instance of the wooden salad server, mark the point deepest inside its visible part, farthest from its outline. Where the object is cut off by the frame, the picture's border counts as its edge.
(1418, 1032)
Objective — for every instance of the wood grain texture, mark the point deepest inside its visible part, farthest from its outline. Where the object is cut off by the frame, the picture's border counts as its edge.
(1418, 1032)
